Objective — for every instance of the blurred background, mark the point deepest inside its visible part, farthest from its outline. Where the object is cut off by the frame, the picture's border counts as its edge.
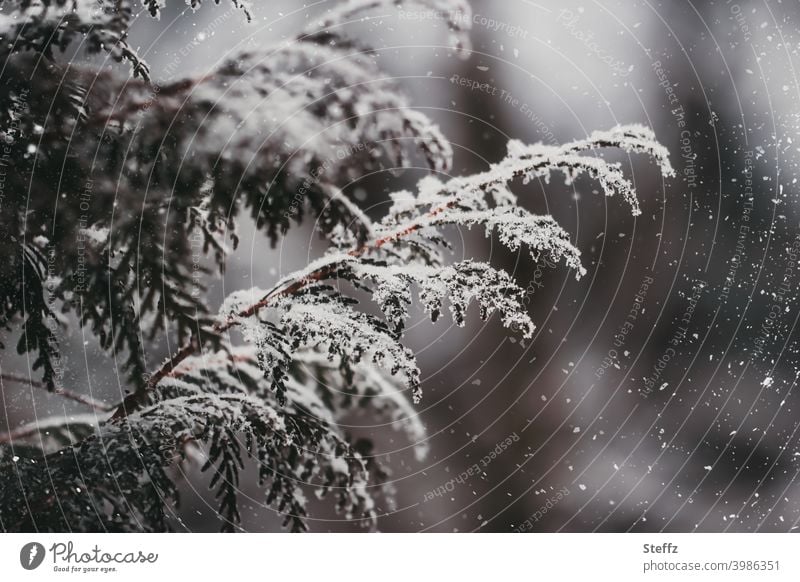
(660, 390)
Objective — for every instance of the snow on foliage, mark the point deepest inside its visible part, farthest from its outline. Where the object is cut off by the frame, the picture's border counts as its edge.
(276, 132)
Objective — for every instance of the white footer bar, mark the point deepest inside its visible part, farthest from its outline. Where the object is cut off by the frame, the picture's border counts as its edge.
(396, 557)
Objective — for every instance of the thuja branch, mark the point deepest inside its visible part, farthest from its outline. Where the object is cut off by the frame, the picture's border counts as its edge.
(282, 289)
(458, 201)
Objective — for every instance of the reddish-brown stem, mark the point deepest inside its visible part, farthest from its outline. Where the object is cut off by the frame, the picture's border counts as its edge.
(136, 399)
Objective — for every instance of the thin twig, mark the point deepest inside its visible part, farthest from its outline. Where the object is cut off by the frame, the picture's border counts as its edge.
(54, 423)
(82, 398)
(18, 434)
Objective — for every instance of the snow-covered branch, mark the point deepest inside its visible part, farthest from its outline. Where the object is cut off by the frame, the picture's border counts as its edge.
(140, 170)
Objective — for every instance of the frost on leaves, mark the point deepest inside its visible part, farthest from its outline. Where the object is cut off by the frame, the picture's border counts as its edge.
(462, 283)
(275, 133)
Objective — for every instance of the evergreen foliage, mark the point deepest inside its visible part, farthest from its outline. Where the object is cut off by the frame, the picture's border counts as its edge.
(106, 163)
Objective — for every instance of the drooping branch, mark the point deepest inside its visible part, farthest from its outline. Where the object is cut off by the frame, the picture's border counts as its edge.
(204, 150)
(461, 201)
(58, 430)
